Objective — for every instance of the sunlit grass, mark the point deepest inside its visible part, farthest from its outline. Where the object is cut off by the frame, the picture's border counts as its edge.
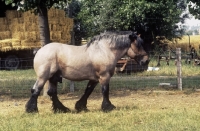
(143, 110)
(184, 42)
(17, 83)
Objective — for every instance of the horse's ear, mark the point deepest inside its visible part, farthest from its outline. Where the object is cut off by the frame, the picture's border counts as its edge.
(132, 38)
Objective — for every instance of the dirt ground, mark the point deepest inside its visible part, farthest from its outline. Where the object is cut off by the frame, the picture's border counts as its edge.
(144, 99)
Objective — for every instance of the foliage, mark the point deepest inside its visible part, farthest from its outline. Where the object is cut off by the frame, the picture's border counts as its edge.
(158, 16)
(194, 8)
(35, 5)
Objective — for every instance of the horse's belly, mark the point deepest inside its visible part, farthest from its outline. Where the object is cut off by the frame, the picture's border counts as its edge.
(79, 75)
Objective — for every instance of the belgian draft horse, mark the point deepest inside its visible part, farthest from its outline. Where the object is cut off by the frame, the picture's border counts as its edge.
(94, 61)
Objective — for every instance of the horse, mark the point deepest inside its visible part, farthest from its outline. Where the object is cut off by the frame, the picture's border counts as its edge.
(94, 61)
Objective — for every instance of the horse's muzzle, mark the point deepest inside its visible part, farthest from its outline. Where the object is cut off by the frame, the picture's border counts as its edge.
(144, 62)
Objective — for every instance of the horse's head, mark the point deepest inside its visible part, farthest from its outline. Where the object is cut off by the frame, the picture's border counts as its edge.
(136, 50)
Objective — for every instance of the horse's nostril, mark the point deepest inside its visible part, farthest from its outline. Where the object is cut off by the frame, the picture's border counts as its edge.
(144, 62)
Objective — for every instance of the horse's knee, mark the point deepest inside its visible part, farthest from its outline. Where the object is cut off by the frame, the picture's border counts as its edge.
(103, 80)
(36, 92)
(52, 91)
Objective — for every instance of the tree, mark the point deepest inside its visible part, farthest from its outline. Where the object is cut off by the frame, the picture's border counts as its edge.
(39, 7)
(194, 8)
(150, 17)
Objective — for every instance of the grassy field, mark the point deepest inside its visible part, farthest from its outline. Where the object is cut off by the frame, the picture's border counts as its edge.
(184, 43)
(18, 83)
(141, 104)
(136, 110)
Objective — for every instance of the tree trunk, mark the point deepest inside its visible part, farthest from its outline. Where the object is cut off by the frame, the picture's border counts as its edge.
(43, 26)
(44, 34)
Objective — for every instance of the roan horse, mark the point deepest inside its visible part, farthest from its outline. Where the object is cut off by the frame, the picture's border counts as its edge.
(94, 61)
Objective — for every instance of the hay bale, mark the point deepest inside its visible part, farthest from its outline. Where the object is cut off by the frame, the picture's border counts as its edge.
(5, 35)
(28, 14)
(60, 13)
(20, 20)
(55, 36)
(3, 21)
(65, 35)
(31, 27)
(32, 35)
(69, 21)
(18, 35)
(53, 21)
(16, 21)
(30, 44)
(5, 45)
(62, 21)
(53, 27)
(16, 27)
(10, 14)
(16, 44)
(33, 19)
(4, 28)
(51, 13)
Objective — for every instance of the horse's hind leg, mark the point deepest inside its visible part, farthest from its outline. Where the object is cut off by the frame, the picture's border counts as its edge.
(31, 105)
(81, 104)
(52, 92)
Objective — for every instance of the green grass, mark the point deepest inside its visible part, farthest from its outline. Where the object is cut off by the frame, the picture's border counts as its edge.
(18, 83)
(124, 119)
(138, 111)
(141, 104)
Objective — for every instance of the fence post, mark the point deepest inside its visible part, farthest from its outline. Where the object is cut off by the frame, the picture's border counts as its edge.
(179, 69)
(71, 86)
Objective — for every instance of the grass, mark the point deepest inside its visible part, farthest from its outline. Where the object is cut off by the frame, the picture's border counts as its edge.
(141, 104)
(18, 83)
(141, 110)
(184, 42)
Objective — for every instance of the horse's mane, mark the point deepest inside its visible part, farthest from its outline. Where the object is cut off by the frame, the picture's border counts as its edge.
(119, 38)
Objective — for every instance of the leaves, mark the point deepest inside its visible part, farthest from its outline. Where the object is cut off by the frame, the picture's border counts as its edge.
(159, 16)
(26, 5)
(194, 8)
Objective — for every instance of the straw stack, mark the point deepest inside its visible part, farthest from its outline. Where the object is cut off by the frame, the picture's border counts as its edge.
(5, 35)
(16, 44)
(20, 31)
(6, 45)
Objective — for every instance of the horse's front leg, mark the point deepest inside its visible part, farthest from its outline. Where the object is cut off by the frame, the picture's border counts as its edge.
(31, 105)
(106, 104)
(81, 104)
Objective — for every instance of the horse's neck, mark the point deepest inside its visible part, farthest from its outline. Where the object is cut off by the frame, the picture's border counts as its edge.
(120, 53)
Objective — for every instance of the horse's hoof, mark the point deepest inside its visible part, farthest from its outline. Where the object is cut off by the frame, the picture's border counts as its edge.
(60, 108)
(80, 107)
(63, 110)
(108, 107)
(31, 110)
(31, 107)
